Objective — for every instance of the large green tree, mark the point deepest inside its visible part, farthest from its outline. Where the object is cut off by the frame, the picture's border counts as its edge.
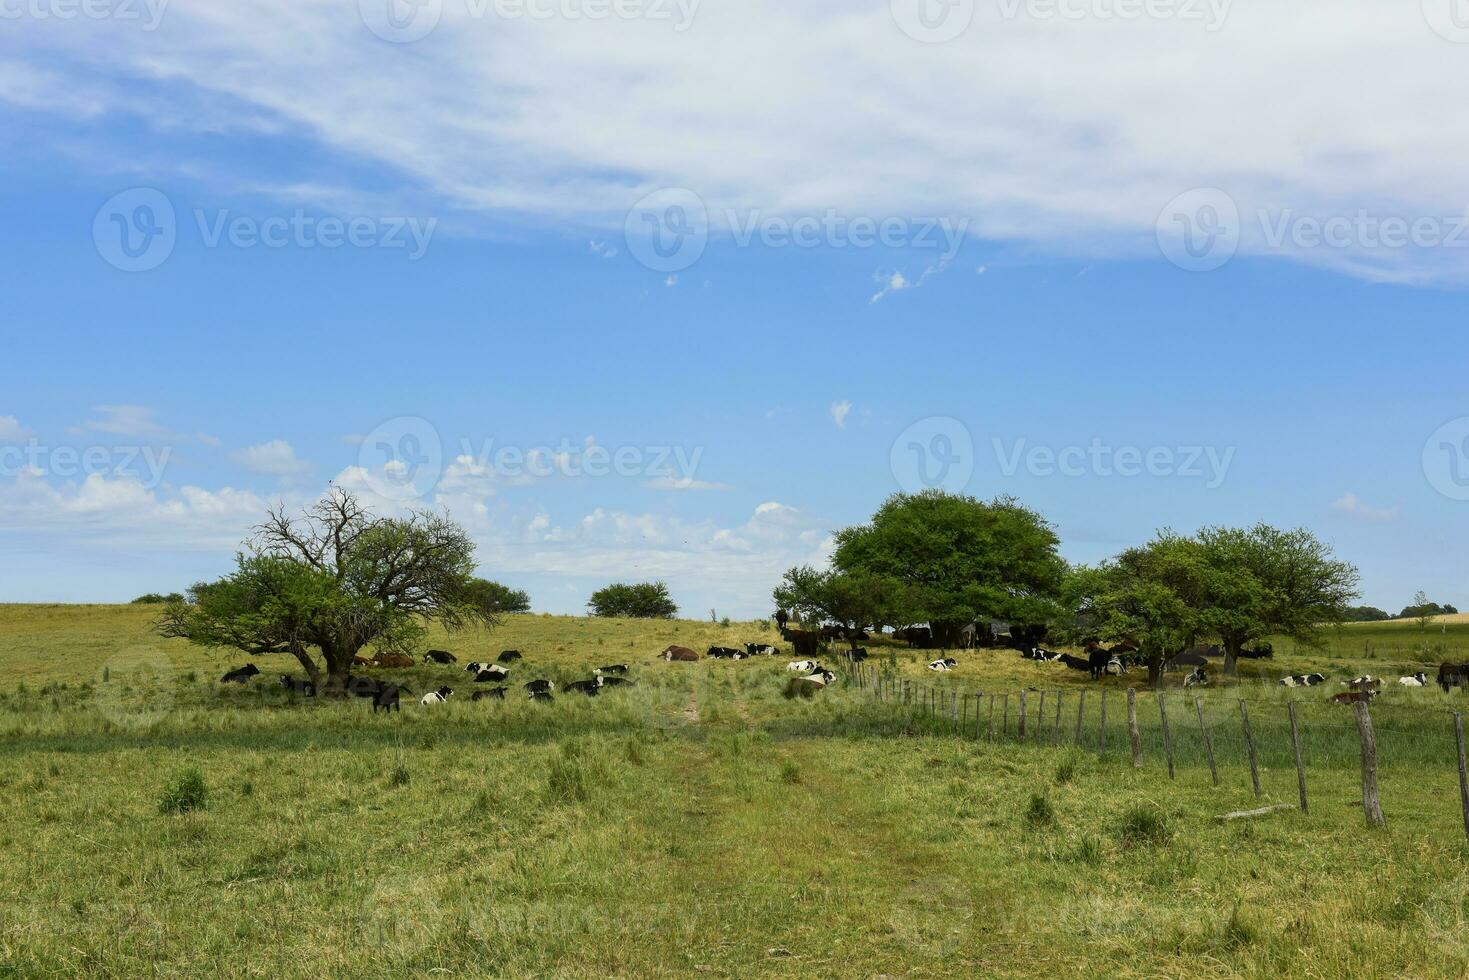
(1263, 581)
(333, 581)
(644, 600)
(856, 600)
(958, 558)
(501, 598)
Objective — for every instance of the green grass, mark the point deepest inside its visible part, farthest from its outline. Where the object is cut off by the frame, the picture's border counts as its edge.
(698, 823)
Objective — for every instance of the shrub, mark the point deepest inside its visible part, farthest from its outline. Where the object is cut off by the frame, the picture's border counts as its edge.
(1066, 770)
(185, 792)
(1145, 823)
(154, 599)
(647, 600)
(1040, 813)
(399, 776)
(790, 773)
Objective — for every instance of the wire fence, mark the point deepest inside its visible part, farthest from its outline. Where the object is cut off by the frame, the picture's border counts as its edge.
(1317, 752)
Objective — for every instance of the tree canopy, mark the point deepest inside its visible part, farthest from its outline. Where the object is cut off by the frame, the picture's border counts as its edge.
(855, 599)
(500, 598)
(957, 558)
(335, 580)
(646, 600)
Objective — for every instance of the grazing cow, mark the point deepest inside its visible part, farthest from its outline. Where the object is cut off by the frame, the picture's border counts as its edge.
(240, 674)
(508, 656)
(760, 649)
(1353, 697)
(948, 663)
(541, 696)
(682, 654)
(605, 680)
(611, 669)
(803, 666)
(439, 657)
(588, 688)
(436, 697)
(1452, 675)
(386, 698)
(725, 653)
(540, 686)
(494, 692)
(1419, 679)
(1097, 660)
(1364, 683)
(397, 660)
(1075, 663)
(303, 688)
(1197, 679)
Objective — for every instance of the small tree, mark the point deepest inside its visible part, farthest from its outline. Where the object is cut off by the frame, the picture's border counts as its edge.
(1422, 610)
(500, 598)
(334, 581)
(856, 600)
(1148, 594)
(647, 600)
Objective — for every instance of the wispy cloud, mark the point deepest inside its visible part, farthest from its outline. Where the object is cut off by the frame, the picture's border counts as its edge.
(1350, 503)
(274, 458)
(682, 483)
(10, 428)
(127, 420)
(839, 412)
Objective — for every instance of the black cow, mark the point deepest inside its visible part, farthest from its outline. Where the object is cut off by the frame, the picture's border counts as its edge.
(303, 688)
(1075, 663)
(1262, 652)
(540, 687)
(725, 653)
(588, 688)
(508, 656)
(240, 674)
(541, 696)
(362, 687)
(855, 655)
(1097, 660)
(611, 669)
(439, 657)
(607, 681)
(1452, 675)
(494, 692)
(386, 697)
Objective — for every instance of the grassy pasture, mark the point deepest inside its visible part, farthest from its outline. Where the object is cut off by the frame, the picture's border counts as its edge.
(698, 823)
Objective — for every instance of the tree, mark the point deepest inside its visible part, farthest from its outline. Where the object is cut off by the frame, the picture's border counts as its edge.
(335, 580)
(1149, 595)
(156, 599)
(856, 600)
(648, 600)
(1364, 614)
(958, 558)
(1424, 611)
(501, 598)
(1263, 581)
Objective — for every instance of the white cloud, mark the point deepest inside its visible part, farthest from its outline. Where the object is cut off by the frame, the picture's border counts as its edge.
(896, 282)
(1041, 130)
(274, 458)
(603, 249)
(682, 483)
(1350, 503)
(10, 428)
(127, 420)
(839, 412)
(671, 281)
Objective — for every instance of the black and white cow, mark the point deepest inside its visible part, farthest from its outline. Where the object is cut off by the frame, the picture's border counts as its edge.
(439, 657)
(803, 666)
(725, 653)
(611, 669)
(588, 688)
(508, 656)
(540, 686)
(1364, 683)
(608, 680)
(1419, 679)
(1115, 667)
(1197, 679)
(948, 663)
(436, 697)
(240, 674)
(541, 696)
(303, 688)
(494, 692)
(490, 673)
(760, 649)
(1303, 680)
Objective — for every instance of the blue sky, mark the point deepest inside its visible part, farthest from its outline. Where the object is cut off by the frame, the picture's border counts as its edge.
(1296, 383)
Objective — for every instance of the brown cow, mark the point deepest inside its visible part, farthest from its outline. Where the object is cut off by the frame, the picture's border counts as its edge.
(392, 660)
(1353, 697)
(680, 653)
(361, 662)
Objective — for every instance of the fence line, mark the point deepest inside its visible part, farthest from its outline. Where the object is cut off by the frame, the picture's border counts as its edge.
(1260, 736)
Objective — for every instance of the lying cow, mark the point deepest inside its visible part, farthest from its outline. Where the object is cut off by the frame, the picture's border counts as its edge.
(1419, 679)
(681, 654)
(240, 674)
(589, 688)
(1197, 679)
(489, 673)
(1353, 697)
(1303, 680)
(541, 696)
(394, 660)
(725, 653)
(760, 649)
(303, 688)
(948, 663)
(608, 680)
(497, 693)
(611, 669)
(540, 686)
(508, 656)
(436, 697)
(440, 657)
(1075, 663)
(803, 666)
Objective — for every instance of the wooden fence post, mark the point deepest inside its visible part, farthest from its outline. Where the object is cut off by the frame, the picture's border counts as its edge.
(1295, 738)
(1463, 773)
(1056, 728)
(1020, 719)
(991, 725)
(1132, 733)
(1080, 711)
(1102, 728)
(964, 720)
(954, 708)
(1167, 732)
(1371, 806)
(1244, 717)
(978, 700)
(1208, 741)
(1005, 721)
(1040, 718)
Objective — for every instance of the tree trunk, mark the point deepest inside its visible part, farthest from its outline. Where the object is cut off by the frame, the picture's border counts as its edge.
(1155, 670)
(338, 665)
(304, 659)
(1232, 646)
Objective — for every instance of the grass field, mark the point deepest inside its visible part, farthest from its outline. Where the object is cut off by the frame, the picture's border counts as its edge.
(699, 823)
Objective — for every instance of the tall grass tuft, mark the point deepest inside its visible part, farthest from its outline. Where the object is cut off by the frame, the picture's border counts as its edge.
(185, 792)
(1039, 812)
(1144, 823)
